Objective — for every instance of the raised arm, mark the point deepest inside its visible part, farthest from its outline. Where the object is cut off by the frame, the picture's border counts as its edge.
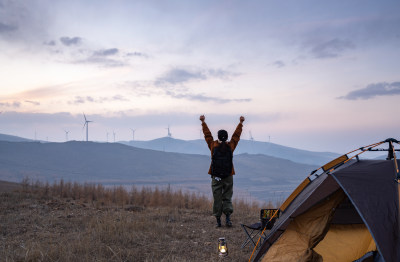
(236, 135)
(207, 133)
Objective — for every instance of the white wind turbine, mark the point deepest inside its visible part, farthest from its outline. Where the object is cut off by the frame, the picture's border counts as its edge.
(133, 133)
(87, 127)
(66, 135)
(114, 135)
(169, 131)
(251, 136)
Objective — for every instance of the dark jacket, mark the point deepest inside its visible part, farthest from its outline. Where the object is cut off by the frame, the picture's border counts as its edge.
(214, 143)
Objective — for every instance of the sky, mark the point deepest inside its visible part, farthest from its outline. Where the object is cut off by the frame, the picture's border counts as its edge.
(316, 75)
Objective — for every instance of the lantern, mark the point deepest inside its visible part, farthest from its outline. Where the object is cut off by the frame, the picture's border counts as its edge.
(222, 247)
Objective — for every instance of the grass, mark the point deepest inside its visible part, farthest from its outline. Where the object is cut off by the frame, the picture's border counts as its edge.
(85, 222)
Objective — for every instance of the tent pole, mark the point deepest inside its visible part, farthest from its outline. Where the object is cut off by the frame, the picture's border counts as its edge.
(258, 241)
(362, 151)
(393, 155)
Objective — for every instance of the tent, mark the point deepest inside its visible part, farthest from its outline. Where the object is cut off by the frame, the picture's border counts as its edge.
(347, 210)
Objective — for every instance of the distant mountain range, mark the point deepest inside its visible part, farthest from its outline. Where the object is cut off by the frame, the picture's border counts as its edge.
(260, 176)
(11, 138)
(199, 146)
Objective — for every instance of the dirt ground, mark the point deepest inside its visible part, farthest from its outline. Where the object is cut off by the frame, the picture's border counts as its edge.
(37, 228)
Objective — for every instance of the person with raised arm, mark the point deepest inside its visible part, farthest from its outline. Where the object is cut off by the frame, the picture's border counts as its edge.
(221, 169)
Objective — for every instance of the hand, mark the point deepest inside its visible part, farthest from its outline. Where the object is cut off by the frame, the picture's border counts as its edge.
(202, 118)
(241, 119)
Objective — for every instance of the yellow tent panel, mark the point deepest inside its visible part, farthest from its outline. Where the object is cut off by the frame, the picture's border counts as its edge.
(345, 243)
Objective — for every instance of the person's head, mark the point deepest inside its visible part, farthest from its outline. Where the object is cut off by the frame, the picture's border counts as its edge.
(222, 135)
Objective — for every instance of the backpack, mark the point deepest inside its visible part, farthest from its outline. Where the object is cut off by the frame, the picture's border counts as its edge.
(221, 161)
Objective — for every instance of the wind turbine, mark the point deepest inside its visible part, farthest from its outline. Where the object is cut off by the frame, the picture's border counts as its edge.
(252, 141)
(66, 135)
(87, 127)
(251, 136)
(169, 133)
(114, 135)
(133, 134)
(107, 136)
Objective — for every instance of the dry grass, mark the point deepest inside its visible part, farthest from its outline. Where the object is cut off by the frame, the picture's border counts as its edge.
(74, 222)
(6, 186)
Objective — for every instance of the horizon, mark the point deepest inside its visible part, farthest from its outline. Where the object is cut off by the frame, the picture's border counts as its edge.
(128, 143)
(318, 76)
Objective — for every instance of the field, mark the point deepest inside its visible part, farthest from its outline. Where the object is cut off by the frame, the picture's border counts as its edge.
(75, 222)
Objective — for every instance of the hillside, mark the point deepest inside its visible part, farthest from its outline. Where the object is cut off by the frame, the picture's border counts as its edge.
(43, 225)
(10, 138)
(6, 186)
(259, 176)
(199, 146)
(168, 144)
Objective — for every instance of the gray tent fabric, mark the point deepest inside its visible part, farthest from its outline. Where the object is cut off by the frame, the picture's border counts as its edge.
(370, 186)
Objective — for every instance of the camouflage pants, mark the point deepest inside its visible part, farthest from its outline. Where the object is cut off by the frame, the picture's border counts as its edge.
(222, 193)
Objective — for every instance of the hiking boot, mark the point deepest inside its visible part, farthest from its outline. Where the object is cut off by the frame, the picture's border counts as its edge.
(228, 221)
(218, 222)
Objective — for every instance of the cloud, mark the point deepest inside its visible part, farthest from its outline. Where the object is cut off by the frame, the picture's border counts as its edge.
(78, 100)
(14, 104)
(23, 22)
(32, 102)
(139, 54)
(170, 84)
(4, 28)
(119, 98)
(69, 41)
(332, 48)
(278, 63)
(102, 61)
(204, 98)
(146, 89)
(221, 74)
(373, 90)
(50, 43)
(180, 76)
(106, 52)
(371, 30)
(89, 99)
(102, 57)
(330, 38)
